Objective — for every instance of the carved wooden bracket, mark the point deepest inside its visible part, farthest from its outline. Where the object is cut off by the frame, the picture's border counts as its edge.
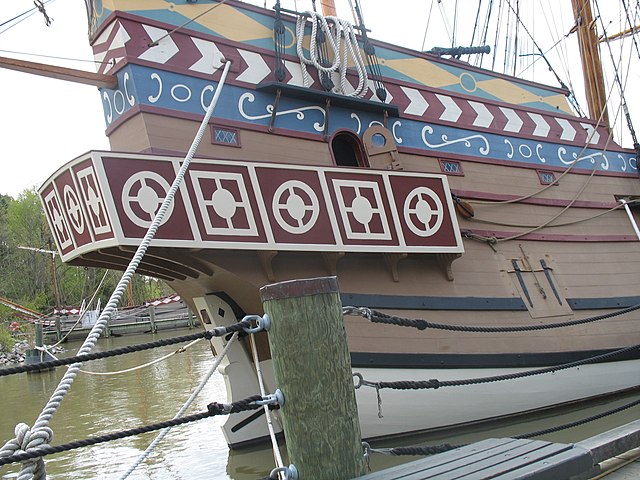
(391, 260)
(331, 261)
(266, 260)
(445, 260)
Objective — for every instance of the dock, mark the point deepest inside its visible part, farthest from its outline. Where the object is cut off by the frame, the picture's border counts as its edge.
(151, 319)
(613, 454)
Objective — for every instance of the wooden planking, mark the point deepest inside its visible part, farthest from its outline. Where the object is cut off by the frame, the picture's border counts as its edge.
(501, 459)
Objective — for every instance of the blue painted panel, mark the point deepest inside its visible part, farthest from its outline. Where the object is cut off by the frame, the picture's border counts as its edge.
(180, 93)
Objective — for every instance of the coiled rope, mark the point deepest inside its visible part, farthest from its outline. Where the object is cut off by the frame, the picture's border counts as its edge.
(343, 43)
(40, 435)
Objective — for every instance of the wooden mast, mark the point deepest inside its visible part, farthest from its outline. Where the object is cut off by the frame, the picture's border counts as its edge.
(591, 64)
(328, 8)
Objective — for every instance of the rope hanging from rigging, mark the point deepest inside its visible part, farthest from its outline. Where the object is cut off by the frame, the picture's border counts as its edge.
(330, 37)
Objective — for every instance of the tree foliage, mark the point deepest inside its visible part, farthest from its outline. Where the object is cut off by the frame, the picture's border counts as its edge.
(27, 276)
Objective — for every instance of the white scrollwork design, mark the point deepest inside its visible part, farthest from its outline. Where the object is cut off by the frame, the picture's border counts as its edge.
(540, 157)
(375, 122)
(604, 164)
(299, 112)
(508, 142)
(624, 162)
(633, 163)
(445, 139)
(357, 119)
(397, 137)
(208, 88)
(155, 98)
(130, 98)
(105, 95)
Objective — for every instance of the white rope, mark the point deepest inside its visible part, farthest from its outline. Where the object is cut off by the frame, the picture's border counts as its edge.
(163, 433)
(145, 365)
(342, 40)
(40, 434)
(274, 442)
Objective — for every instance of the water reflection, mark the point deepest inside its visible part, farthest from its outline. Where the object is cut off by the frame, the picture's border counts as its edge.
(97, 405)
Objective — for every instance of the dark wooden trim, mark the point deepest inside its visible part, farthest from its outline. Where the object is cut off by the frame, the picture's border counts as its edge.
(488, 360)
(551, 237)
(405, 302)
(551, 202)
(337, 100)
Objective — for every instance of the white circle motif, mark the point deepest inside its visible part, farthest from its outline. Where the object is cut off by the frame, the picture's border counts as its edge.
(142, 188)
(223, 203)
(362, 210)
(423, 212)
(287, 199)
(184, 88)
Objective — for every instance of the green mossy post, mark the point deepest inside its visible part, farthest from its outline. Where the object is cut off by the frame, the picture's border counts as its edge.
(313, 369)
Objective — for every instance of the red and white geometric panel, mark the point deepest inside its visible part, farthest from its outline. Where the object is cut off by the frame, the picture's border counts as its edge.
(225, 204)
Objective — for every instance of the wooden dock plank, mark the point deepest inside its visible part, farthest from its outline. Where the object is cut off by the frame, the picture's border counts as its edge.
(505, 462)
(501, 459)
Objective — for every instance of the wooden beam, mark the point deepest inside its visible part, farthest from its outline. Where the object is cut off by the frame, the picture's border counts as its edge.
(591, 64)
(60, 73)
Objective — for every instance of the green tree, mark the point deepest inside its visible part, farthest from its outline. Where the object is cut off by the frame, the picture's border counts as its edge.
(26, 275)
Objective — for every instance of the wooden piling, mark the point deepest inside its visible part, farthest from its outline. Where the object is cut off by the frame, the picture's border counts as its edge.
(152, 319)
(313, 369)
(58, 329)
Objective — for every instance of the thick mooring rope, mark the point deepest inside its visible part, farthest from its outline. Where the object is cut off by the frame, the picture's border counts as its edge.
(213, 409)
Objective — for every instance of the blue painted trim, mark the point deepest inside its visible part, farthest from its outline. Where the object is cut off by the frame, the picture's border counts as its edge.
(141, 85)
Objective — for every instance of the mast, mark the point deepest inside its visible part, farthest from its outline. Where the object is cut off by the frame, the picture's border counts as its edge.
(591, 63)
(328, 8)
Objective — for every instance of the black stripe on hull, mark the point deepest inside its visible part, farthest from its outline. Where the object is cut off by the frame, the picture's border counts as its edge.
(403, 302)
(501, 360)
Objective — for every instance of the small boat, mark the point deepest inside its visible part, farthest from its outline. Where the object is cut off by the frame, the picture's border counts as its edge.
(431, 188)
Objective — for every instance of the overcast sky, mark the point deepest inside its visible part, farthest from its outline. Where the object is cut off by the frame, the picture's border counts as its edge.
(46, 122)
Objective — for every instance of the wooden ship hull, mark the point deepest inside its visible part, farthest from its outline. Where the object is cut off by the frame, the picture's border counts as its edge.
(291, 181)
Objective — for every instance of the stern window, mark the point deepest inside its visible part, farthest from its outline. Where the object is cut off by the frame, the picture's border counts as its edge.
(347, 150)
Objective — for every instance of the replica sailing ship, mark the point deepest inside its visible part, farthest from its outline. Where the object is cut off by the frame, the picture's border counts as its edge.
(431, 188)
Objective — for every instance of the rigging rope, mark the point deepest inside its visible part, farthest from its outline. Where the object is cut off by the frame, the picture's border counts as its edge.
(143, 456)
(30, 439)
(274, 442)
(375, 316)
(342, 40)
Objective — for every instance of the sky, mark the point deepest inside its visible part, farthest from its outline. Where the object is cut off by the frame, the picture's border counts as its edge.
(45, 123)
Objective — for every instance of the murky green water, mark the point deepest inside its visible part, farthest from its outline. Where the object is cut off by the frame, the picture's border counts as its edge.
(97, 405)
